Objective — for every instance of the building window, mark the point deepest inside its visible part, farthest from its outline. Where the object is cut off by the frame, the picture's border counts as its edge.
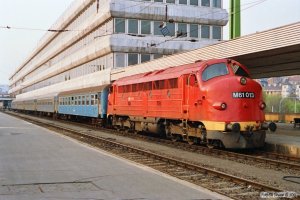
(145, 27)
(120, 60)
(217, 3)
(133, 26)
(156, 56)
(205, 31)
(145, 57)
(182, 30)
(217, 32)
(133, 59)
(158, 0)
(194, 31)
(184, 2)
(171, 28)
(157, 28)
(194, 2)
(119, 25)
(205, 3)
(170, 1)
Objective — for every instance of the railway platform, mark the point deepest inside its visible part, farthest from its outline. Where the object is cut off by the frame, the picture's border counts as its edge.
(285, 140)
(36, 163)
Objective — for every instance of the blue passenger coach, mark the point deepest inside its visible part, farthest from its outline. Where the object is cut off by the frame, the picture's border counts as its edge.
(84, 103)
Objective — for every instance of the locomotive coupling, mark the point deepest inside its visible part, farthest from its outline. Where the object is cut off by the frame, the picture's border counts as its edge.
(271, 126)
(236, 127)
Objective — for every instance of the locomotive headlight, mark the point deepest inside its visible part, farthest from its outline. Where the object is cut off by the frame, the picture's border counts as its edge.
(262, 105)
(243, 80)
(220, 105)
(223, 106)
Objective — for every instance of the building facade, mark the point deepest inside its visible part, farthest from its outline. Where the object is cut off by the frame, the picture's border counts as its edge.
(94, 37)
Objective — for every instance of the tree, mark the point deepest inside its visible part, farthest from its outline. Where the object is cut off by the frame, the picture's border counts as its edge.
(272, 101)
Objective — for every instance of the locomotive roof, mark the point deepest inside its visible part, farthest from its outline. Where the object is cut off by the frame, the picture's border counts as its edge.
(168, 73)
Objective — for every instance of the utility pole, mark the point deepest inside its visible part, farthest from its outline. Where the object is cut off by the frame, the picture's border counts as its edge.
(235, 19)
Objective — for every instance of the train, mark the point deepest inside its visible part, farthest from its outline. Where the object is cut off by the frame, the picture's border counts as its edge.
(211, 102)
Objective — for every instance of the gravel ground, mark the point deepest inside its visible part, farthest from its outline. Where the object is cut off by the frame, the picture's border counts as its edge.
(262, 175)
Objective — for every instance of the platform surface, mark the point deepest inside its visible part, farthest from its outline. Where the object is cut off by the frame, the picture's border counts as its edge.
(38, 164)
(286, 139)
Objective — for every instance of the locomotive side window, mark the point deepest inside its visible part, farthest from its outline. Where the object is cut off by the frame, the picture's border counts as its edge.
(214, 70)
(239, 71)
(147, 86)
(173, 83)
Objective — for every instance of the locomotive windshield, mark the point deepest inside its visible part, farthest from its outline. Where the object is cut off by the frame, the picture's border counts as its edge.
(239, 71)
(214, 70)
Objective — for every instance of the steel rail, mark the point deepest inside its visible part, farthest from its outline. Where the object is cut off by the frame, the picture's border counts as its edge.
(183, 164)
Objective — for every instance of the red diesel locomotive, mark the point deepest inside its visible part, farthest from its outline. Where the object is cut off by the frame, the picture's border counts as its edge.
(212, 102)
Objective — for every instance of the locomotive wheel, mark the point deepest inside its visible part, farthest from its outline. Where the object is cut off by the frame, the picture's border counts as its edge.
(175, 138)
(192, 140)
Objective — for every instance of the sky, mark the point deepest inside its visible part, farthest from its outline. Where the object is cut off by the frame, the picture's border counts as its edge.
(16, 45)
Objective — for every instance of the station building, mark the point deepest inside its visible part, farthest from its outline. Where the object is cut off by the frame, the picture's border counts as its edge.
(94, 37)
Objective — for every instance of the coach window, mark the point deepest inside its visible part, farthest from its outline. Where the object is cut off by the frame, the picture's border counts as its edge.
(92, 99)
(214, 70)
(87, 100)
(83, 100)
(119, 25)
(75, 101)
(96, 99)
(79, 100)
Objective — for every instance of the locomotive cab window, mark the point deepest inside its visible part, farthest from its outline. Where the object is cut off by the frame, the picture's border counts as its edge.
(215, 70)
(239, 71)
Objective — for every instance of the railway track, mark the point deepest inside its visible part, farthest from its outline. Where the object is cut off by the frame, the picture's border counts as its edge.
(254, 157)
(220, 182)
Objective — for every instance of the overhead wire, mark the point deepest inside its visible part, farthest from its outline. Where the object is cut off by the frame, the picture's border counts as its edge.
(173, 38)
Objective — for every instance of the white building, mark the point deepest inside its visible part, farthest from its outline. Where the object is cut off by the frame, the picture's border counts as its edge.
(92, 37)
(297, 91)
(286, 91)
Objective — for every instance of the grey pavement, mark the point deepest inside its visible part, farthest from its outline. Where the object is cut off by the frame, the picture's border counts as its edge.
(36, 163)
